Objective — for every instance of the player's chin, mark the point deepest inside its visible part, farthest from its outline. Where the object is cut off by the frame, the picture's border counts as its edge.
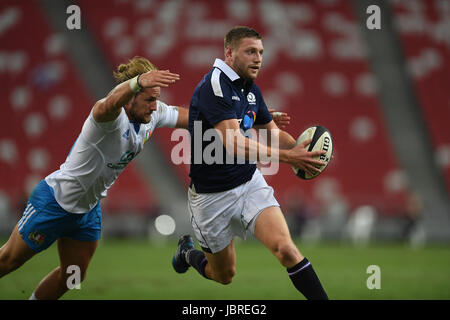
(146, 118)
(253, 74)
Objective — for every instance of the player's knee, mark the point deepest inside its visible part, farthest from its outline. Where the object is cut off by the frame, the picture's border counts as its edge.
(226, 277)
(225, 280)
(287, 253)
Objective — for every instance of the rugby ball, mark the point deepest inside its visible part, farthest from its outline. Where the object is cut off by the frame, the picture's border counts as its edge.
(321, 140)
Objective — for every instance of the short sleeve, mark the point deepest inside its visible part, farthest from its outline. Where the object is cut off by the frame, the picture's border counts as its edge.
(108, 126)
(215, 102)
(167, 116)
(94, 131)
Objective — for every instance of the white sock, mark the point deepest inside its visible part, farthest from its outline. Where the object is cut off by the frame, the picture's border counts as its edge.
(33, 297)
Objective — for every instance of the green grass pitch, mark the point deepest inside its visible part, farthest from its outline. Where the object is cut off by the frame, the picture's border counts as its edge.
(138, 269)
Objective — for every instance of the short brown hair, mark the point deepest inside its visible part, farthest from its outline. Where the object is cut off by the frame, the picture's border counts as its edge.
(237, 33)
(134, 67)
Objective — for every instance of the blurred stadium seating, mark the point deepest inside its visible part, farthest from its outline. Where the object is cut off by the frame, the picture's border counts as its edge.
(45, 106)
(424, 30)
(315, 68)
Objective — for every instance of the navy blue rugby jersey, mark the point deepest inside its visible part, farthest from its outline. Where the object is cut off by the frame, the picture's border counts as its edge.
(222, 95)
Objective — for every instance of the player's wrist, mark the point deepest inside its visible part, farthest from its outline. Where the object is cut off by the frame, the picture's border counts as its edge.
(283, 155)
(291, 144)
(135, 86)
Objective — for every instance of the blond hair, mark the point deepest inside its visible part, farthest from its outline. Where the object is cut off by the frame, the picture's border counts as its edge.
(134, 67)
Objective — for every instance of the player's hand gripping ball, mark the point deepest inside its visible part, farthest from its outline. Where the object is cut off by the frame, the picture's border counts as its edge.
(321, 140)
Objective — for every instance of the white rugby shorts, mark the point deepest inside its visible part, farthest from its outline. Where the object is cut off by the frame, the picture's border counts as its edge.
(220, 216)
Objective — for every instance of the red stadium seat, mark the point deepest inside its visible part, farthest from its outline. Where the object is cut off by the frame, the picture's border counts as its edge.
(424, 33)
(45, 105)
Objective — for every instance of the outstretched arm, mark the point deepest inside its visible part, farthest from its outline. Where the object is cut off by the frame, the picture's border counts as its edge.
(108, 108)
(236, 144)
(183, 118)
(283, 138)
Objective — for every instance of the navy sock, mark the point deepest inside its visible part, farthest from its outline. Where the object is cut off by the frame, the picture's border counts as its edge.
(306, 281)
(197, 259)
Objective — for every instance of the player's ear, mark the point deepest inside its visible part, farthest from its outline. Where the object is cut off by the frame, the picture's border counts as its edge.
(228, 52)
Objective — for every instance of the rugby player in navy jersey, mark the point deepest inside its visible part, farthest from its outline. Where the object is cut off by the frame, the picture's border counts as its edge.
(228, 199)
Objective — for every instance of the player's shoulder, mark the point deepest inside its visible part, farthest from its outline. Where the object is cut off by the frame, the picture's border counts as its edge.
(92, 124)
(213, 75)
(216, 83)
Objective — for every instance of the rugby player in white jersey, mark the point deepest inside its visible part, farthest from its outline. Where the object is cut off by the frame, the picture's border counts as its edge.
(65, 206)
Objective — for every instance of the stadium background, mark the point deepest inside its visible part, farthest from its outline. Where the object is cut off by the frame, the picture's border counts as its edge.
(383, 94)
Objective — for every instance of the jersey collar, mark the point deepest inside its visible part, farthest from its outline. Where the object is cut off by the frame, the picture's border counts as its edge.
(136, 126)
(229, 72)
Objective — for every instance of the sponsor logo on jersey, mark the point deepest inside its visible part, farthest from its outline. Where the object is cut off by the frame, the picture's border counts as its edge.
(249, 119)
(124, 160)
(235, 98)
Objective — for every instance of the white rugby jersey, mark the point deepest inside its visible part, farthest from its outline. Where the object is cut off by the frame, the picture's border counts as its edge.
(100, 154)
